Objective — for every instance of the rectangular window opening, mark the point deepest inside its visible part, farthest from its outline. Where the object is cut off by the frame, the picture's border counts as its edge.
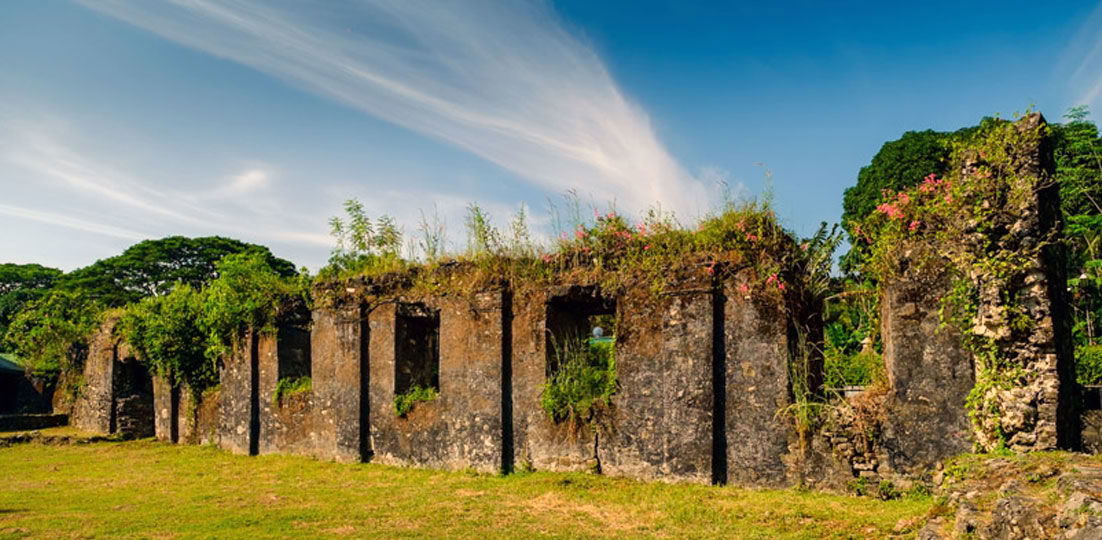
(579, 324)
(417, 348)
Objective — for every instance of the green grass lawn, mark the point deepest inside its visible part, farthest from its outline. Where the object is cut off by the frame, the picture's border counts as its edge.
(153, 490)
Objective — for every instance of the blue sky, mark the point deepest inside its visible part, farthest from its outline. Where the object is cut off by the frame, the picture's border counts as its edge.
(122, 120)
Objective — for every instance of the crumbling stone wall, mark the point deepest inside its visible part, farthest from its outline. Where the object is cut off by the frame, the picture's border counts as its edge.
(462, 427)
(239, 418)
(661, 422)
(756, 337)
(117, 393)
(94, 407)
(1039, 414)
(340, 373)
(539, 442)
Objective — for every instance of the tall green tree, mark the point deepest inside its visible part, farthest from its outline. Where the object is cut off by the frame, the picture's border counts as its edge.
(154, 267)
(898, 165)
(21, 284)
(50, 333)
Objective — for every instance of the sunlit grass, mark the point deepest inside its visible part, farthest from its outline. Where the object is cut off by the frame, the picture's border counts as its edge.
(150, 489)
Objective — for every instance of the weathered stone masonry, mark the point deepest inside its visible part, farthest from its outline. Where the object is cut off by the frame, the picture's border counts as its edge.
(704, 372)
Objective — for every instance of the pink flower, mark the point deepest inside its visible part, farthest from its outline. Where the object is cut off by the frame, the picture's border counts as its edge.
(804, 246)
(744, 288)
(914, 226)
(903, 198)
(780, 286)
(547, 258)
(751, 237)
(771, 279)
(892, 211)
(579, 234)
(611, 215)
(642, 229)
(646, 247)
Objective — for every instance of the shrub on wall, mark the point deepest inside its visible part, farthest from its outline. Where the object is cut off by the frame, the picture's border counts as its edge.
(165, 333)
(248, 293)
(970, 221)
(585, 378)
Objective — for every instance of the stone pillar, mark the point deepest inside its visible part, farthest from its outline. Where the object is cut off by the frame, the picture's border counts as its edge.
(755, 335)
(239, 422)
(340, 381)
(166, 406)
(662, 413)
(929, 371)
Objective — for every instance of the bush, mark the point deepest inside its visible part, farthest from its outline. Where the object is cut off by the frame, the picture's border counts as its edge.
(51, 333)
(289, 386)
(403, 403)
(166, 334)
(247, 294)
(1088, 364)
(586, 376)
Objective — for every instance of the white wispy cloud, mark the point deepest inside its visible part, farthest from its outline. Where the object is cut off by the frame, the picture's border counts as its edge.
(504, 80)
(51, 218)
(57, 166)
(1080, 67)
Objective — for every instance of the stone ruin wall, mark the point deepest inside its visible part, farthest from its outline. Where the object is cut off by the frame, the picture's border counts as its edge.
(116, 392)
(922, 417)
(703, 372)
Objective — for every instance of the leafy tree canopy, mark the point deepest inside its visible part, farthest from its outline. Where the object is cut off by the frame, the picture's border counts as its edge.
(901, 164)
(50, 332)
(154, 267)
(26, 276)
(19, 285)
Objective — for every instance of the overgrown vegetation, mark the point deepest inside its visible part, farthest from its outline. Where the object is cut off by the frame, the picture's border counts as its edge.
(166, 335)
(290, 386)
(608, 250)
(902, 165)
(404, 402)
(962, 223)
(184, 334)
(584, 378)
(51, 334)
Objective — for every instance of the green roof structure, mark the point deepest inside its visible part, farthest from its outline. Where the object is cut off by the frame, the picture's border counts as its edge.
(10, 364)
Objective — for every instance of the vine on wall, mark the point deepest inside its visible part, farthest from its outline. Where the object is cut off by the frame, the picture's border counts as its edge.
(981, 220)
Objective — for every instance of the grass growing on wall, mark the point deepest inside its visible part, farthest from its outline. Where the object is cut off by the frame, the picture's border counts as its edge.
(145, 489)
(289, 386)
(404, 402)
(586, 377)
